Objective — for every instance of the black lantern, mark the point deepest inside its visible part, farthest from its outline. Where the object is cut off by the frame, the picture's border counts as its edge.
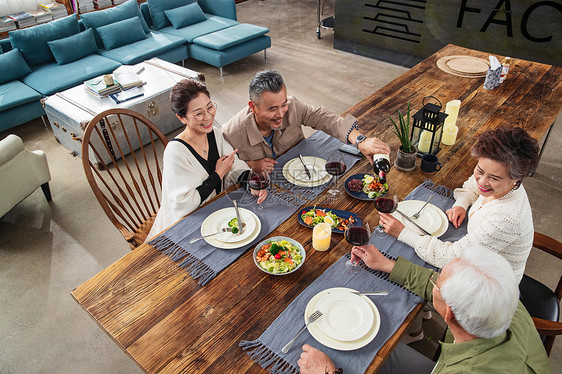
(427, 127)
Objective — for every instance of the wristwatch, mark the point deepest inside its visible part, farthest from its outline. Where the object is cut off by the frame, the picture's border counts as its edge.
(359, 139)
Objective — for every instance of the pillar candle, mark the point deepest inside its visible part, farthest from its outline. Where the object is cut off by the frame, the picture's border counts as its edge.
(321, 236)
(425, 141)
(449, 135)
(452, 109)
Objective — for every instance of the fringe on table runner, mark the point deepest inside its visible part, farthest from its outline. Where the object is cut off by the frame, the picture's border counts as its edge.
(196, 268)
(440, 190)
(267, 359)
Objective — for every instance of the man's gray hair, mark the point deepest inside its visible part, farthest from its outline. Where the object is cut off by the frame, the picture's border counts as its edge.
(482, 292)
(267, 80)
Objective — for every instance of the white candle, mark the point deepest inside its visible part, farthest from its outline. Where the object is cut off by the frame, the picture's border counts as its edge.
(452, 109)
(321, 236)
(450, 135)
(425, 141)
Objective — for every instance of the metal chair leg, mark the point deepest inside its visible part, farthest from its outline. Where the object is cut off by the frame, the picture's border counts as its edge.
(44, 122)
(265, 54)
(220, 70)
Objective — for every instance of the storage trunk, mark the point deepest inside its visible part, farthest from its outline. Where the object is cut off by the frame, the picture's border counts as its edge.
(70, 111)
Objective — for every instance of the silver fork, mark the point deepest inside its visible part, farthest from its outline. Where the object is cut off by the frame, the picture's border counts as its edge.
(417, 214)
(313, 317)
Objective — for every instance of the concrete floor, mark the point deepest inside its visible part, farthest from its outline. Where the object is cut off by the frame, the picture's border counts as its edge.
(46, 250)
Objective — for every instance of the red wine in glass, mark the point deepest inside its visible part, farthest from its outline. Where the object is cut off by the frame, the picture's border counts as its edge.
(258, 182)
(386, 204)
(335, 168)
(357, 236)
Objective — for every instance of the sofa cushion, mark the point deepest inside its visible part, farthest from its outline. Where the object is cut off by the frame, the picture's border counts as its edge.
(73, 47)
(212, 24)
(13, 66)
(226, 38)
(121, 33)
(157, 8)
(155, 44)
(50, 78)
(118, 13)
(32, 41)
(15, 93)
(185, 15)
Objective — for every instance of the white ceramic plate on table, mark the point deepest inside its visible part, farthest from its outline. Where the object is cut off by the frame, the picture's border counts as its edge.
(316, 166)
(293, 165)
(431, 218)
(211, 225)
(316, 330)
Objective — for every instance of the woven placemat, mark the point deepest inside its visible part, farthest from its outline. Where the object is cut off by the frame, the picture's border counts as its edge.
(464, 66)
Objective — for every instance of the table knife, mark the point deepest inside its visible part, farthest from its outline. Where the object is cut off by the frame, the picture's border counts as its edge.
(411, 221)
(240, 223)
(305, 168)
(370, 293)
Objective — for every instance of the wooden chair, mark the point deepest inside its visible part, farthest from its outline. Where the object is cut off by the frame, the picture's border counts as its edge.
(120, 156)
(543, 304)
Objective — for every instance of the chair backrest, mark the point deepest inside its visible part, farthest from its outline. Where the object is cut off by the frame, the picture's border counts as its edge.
(547, 328)
(121, 153)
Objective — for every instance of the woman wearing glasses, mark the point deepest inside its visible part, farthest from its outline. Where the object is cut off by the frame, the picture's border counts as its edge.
(198, 162)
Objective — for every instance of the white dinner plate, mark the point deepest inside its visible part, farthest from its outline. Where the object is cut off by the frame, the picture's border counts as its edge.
(315, 165)
(207, 228)
(329, 342)
(217, 221)
(431, 218)
(346, 316)
(305, 183)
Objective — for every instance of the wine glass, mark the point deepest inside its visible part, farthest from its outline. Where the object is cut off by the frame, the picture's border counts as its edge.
(385, 205)
(336, 167)
(258, 180)
(356, 235)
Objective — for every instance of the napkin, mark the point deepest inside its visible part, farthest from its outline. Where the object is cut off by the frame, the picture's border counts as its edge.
(493, 74)
(393, 309)
(202, 260)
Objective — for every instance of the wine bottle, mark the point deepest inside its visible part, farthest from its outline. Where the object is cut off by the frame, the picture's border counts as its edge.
(381, 166)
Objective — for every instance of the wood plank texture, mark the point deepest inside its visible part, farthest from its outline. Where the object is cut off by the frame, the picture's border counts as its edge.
(169, 324)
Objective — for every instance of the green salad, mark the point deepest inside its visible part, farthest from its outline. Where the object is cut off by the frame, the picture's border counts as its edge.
(279, 257)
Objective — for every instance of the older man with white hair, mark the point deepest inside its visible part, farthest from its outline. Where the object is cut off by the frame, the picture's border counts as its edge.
(477, 295)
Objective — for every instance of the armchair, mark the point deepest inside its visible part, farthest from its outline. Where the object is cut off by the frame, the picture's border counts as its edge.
(21, 173)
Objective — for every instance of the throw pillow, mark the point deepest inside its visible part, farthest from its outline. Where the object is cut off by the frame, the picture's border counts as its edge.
(73, 47)
(185, 15)
(157, 8)
(32, 42)
(13, 66)
(107, 16)
(121, 33)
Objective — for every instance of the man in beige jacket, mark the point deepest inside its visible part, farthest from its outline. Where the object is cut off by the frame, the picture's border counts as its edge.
(271, 124)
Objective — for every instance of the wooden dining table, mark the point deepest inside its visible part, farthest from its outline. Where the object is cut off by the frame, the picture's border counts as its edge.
(168, 323)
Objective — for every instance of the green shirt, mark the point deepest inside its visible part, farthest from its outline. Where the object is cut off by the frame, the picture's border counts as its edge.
(518, 350)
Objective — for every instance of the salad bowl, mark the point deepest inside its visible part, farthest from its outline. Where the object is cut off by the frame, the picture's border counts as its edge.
(290, 255)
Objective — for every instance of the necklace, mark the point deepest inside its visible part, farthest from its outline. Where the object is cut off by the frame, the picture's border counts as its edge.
(201, 149)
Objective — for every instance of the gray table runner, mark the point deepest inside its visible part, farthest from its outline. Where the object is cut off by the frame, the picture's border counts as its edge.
(393, 308)
(202, 260)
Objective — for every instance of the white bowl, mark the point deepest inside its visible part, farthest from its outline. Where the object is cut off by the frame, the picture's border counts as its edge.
(276, 239)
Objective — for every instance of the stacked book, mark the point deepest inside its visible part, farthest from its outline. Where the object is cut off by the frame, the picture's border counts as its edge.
(23, 19)
(57, 10)
(100, 4)
(127, 80)
(97, 87)
(85, 6)
(41, 16)
(7, 24)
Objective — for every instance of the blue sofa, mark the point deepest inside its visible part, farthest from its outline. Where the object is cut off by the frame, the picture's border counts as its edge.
(42, 60)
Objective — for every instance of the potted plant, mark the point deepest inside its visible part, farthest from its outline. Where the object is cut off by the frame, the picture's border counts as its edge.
(407, 153)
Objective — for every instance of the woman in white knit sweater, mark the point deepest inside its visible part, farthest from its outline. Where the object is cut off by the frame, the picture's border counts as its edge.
(500, 216)
(198, 162)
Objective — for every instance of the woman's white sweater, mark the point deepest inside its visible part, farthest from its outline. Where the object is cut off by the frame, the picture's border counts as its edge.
(503, 225)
